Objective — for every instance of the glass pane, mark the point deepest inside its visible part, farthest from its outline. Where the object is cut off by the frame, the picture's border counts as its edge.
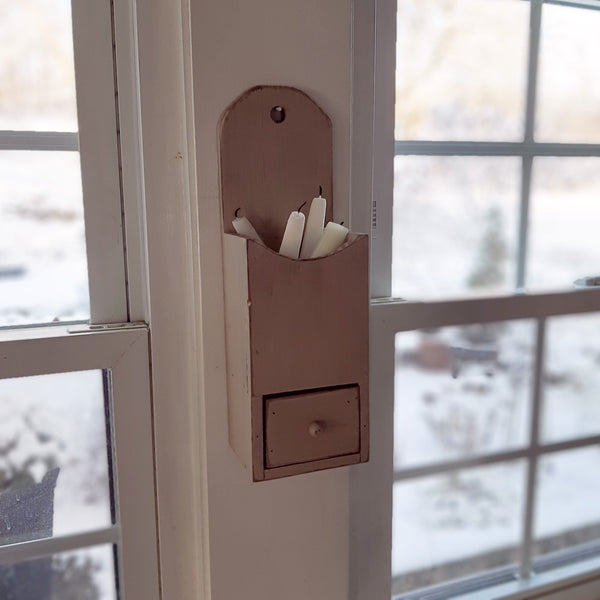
(43, 266)
(568, 97)
(571, 392)
(82, 575)
(36, 66)
(460, 69)
(565, 210)
(457, 524)
(54, 476)
(462, 391)
(455, 224)
(568, 499)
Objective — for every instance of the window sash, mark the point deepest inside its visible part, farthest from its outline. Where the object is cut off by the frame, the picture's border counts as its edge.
(98, 144)
(388, 318)
(410, 316)
(371, 488)
(527, 150)
(45, 350)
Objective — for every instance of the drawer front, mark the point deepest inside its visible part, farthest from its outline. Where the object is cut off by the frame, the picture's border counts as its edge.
(312, 425)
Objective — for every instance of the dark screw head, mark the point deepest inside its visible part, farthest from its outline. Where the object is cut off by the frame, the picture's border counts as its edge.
(278, 114)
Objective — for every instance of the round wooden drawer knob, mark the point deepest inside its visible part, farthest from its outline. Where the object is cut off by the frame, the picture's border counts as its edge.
(314, 429)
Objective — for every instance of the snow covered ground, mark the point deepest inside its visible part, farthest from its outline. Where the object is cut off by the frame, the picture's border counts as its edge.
(42, 239)
(442, 415)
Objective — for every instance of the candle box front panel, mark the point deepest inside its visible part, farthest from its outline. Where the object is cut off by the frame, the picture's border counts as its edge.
(297, 357)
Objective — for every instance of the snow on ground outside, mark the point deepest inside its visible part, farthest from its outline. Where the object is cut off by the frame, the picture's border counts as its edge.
(42, 237)
(486, 409)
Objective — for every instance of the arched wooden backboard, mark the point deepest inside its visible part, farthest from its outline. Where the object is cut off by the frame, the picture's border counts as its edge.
(276, 149)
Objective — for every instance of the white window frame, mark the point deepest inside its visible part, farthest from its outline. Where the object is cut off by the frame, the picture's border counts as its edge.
(42, 351)
(147, 209)
(371, 487)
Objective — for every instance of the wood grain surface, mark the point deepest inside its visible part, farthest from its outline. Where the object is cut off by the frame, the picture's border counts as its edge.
(269, 169)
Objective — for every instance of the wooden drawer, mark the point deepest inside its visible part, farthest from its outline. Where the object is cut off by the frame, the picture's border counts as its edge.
(313, 425)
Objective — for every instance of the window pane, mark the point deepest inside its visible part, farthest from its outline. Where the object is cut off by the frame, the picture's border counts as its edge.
(457, 524)
(460, 69)
(564, 213)
(462, 391)
(568, 98)
(82, 575)
(568, 499)
(54, 473)
(36, 66)
(43, 267)
(571, 391)
(455, 224)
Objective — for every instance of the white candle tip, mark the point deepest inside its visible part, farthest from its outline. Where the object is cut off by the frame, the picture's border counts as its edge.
(245, 229)
(332, 238)
(292, 237)
(314, 226)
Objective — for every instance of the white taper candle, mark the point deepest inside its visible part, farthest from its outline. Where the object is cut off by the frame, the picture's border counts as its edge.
(333, 237)
(292, 237)
(314, 226)
(244, 228)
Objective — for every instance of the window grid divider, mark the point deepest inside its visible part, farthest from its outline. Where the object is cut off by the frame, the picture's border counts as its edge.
(498, 148)
(532, 463)
(401, 315)
(587, 4)
(34, 549)
(535, 20)
(66, 141)
(523, 224)
(526, 452)
(535, 23)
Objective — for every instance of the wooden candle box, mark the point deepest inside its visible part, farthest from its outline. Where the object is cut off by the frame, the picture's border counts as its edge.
(297, 331)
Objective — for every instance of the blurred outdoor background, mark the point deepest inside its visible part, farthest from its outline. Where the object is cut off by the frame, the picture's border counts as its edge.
(466, 391)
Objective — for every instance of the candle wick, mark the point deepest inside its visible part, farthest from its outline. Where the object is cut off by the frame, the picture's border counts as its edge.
(237, 210)
(300, 207)
(320, 191)
(341, 222)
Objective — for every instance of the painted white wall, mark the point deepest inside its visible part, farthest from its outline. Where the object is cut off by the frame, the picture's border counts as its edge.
(286, 538)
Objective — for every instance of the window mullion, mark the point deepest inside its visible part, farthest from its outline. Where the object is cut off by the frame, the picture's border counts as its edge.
(523, 233)
(586, 4)
(34, 549)
(530, 498)
(478, 148)
(532, 69)
(39, 140)
(463, 463)
(535, 21)
(93, 44)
